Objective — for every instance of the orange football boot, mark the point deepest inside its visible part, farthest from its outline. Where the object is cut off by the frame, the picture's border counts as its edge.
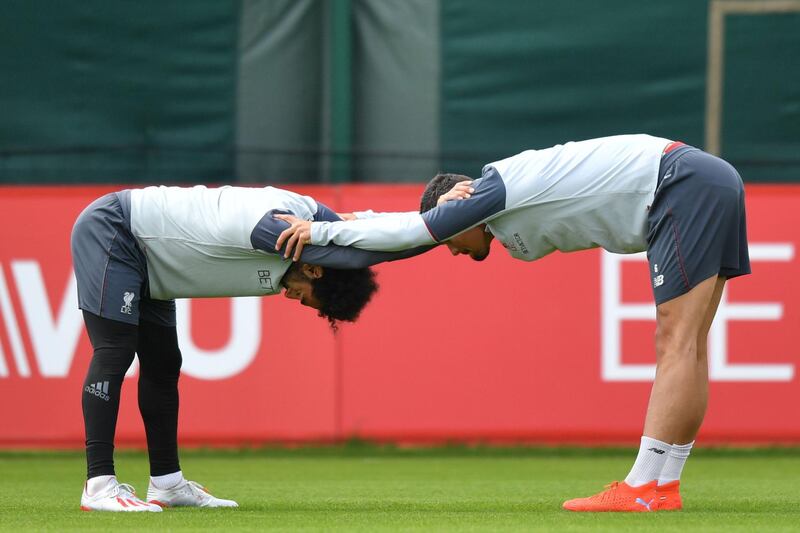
(618, 497)
(669, 496)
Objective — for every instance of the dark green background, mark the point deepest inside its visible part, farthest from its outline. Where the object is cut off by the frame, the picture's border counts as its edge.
(118, 91)
(533, 74)
(289, 91)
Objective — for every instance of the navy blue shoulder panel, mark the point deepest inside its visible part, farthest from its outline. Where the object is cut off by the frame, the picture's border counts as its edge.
(325, 214)
(451, 218)
(265, 235)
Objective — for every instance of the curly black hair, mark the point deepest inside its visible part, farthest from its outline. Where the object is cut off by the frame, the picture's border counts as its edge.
(440, 184)
(343, 293)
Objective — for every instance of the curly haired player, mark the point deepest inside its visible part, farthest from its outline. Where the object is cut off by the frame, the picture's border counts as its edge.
(134, 252)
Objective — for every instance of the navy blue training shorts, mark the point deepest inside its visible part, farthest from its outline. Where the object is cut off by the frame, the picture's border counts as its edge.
(110, 268)
(696, 225)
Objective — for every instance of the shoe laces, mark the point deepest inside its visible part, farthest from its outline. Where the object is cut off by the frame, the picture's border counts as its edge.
(610, 491)
(197, 489)
(123, 488)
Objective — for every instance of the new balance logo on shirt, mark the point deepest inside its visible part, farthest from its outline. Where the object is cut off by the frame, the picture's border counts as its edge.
(265, 280)
(99, 389)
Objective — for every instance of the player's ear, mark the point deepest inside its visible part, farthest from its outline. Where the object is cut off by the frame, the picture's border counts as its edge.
(312, 271)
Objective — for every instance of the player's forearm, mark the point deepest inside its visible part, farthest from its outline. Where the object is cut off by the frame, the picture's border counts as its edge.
(397, 231)
(347, 257)
(369, 213)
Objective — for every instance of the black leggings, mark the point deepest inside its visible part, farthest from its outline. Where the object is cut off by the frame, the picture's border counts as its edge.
(114, 346)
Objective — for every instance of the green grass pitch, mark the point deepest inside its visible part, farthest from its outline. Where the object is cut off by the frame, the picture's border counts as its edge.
(365, 488)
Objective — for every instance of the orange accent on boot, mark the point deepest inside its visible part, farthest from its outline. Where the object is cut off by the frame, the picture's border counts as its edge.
(618, 497)
(160, 504)
(669, 496)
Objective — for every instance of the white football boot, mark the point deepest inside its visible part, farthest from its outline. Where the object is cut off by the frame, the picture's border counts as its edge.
(116, 497)
(186, 494)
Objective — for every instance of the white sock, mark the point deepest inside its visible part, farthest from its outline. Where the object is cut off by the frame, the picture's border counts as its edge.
(97, 483)
(674, 463)
(649, 463)
(167, 481)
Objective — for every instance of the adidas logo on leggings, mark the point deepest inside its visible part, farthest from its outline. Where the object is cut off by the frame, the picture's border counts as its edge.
(99, 389)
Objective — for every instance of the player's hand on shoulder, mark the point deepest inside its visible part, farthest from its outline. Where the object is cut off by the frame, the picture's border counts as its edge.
(296, 236)
(460, 191)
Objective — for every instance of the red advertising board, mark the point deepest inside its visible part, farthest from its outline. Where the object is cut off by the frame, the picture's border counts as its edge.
(450, 349)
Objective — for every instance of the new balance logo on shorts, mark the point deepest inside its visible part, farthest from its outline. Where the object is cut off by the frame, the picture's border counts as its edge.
(657, 280)
(99, 389)
(127, 305)
(659, 452)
